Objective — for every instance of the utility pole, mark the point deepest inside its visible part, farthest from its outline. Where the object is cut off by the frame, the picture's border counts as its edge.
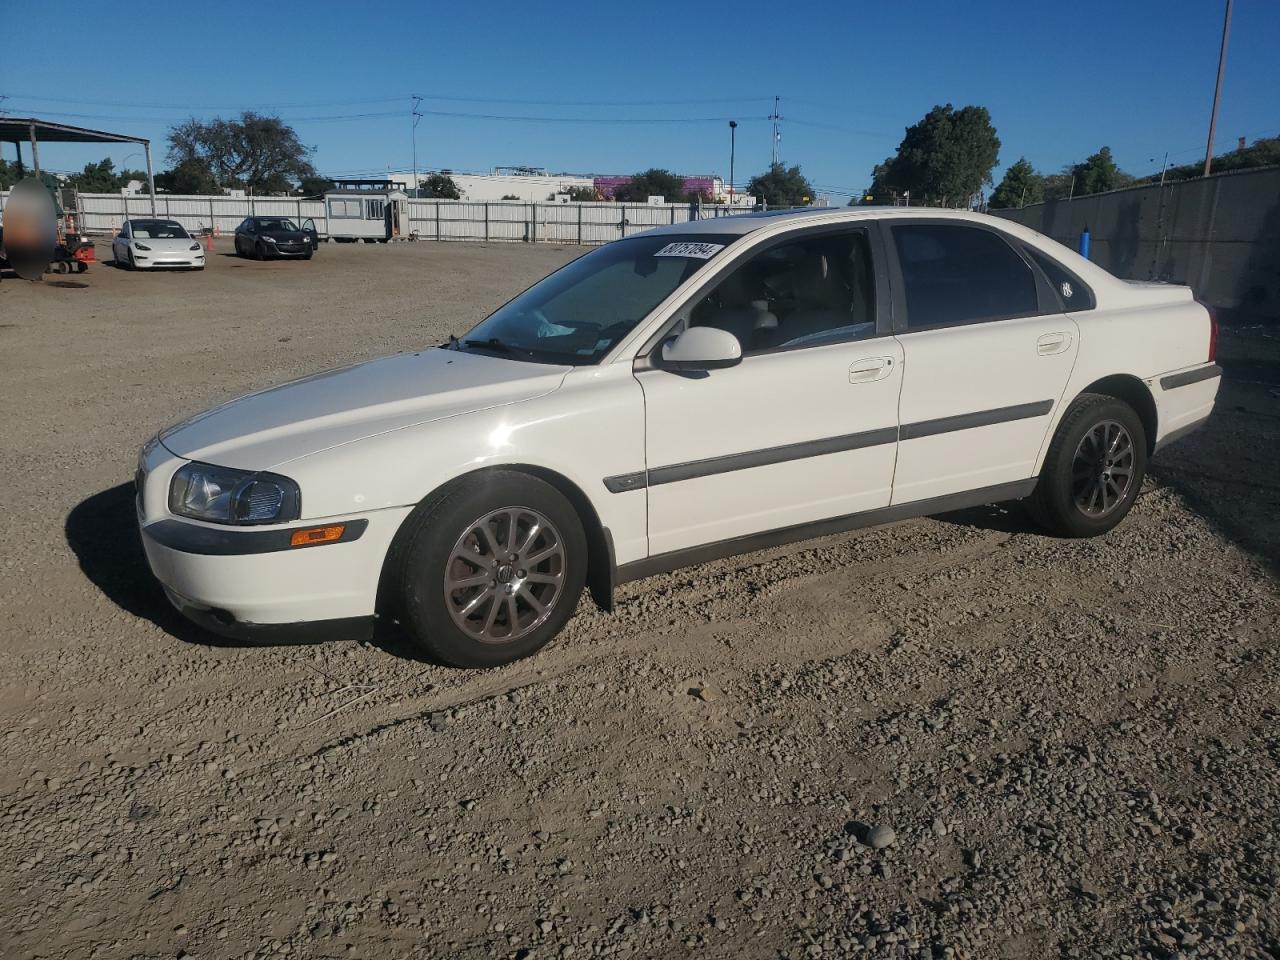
(776, 136)
(414, 117)
(1217, 90)
(733, 141)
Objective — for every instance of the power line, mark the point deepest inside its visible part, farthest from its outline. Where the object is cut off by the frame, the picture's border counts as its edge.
(237, 105)
(335, 118)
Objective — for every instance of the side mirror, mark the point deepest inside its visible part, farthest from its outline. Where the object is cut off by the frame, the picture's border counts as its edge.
(701, 348)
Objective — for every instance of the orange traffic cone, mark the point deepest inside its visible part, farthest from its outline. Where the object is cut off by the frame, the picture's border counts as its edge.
(208, 241)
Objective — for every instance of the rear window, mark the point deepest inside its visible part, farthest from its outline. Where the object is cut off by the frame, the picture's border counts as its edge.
(956, 274)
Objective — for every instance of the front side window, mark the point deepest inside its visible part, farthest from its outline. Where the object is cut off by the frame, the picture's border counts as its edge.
(806, 292)
(956, 274)
(580, 312)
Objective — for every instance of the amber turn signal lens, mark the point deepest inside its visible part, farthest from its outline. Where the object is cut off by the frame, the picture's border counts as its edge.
(314, 535)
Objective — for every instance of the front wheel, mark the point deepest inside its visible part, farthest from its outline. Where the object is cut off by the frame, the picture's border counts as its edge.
(1094, 468)
(491, 570)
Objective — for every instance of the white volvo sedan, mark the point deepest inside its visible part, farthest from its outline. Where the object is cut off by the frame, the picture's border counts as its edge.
(687, 393)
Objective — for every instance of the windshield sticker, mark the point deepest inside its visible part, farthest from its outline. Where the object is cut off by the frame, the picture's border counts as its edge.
(698, 251)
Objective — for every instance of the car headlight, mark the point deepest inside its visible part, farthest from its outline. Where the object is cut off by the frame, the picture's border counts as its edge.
(140, 246)
(202, 491)
(268, 239)
(194, 246)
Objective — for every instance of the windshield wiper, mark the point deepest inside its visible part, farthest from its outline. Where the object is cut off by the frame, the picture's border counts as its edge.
(499, 346)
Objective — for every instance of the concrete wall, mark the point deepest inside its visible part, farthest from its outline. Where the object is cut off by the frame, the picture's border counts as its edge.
(1220, 235)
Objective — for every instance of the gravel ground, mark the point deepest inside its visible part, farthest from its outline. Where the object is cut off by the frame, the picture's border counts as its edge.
(953, 737)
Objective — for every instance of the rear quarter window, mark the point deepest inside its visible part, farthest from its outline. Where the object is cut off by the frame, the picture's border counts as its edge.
(1071, 290)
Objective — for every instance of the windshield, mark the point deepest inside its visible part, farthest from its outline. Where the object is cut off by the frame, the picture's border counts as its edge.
(159, 230)
(577, 314)
(272, 226)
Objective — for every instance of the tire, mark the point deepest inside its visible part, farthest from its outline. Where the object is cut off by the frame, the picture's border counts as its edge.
(258, 252)
(133, 264)
(1083, 491)
(307, 255)
(470, 626)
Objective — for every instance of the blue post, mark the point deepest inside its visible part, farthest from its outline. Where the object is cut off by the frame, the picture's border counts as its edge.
(1084, 242)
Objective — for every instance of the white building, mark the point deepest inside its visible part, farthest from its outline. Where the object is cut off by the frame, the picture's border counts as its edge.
(536, 186)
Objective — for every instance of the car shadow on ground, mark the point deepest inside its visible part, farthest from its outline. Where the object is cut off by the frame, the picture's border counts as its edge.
(1001, 517)
(102, 531)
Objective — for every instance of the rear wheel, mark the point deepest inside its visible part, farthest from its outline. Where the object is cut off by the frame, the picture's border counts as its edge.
(1094, 468)
(491, 570)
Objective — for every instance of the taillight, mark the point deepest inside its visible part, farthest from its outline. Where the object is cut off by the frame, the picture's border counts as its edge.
(1213, 331)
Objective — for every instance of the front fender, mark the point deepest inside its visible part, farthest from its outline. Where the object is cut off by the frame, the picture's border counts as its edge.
(591, 428)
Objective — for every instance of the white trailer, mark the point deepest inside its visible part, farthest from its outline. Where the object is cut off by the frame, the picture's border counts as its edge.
(369, 210)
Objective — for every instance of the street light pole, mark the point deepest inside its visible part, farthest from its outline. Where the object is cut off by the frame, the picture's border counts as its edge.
(733, 143)
(1217, 90)
(415, 116)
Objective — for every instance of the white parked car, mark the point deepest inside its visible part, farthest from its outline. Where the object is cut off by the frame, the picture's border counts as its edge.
(145, 243)
(687, 393)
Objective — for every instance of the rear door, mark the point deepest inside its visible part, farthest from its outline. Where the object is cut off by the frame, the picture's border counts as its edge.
(987, 352)
(805, 427)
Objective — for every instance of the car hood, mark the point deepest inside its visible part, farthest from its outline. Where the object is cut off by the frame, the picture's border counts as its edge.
(267, 429)
(289, 236)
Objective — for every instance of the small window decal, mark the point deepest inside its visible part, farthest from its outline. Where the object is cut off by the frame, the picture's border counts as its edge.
(696, 251)
(1066, 290)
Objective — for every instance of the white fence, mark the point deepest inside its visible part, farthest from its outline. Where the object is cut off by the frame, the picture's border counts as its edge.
(589, 223)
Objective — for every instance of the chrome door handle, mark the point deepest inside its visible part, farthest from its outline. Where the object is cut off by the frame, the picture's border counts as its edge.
(870, 370)
(1053, 343)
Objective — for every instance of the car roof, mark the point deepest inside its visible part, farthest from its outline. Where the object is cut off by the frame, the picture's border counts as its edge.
(740, 224)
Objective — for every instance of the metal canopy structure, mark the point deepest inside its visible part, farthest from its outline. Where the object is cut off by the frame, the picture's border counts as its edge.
(17, 129)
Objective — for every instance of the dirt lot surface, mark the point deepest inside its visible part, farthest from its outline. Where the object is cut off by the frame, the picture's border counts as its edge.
(954, 737)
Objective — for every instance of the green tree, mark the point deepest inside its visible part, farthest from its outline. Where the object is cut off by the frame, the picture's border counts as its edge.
(582, 194)
(654, 182)
(782, 186)
(256, 152)
(945, 158)
(439, 186)
(314, 186)
(101, 177)
(8, 174)
(190, 177)
(1098, 174)
(1021, 185)
(1264, 152)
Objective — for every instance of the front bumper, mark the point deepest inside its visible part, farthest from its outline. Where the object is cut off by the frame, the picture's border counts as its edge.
(288, 249)
(246, 583)
(150, 261)
(224, 624)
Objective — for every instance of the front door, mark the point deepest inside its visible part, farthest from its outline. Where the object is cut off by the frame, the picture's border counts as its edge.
(805, 427)
(987, 353)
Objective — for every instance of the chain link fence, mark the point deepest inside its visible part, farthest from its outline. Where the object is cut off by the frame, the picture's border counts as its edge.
(462, 220)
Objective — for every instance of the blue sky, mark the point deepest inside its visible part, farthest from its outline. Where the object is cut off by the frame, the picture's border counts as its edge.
(1060, 80)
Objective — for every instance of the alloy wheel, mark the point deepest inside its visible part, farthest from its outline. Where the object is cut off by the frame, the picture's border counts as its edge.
(505, 574)
(1102, 469)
